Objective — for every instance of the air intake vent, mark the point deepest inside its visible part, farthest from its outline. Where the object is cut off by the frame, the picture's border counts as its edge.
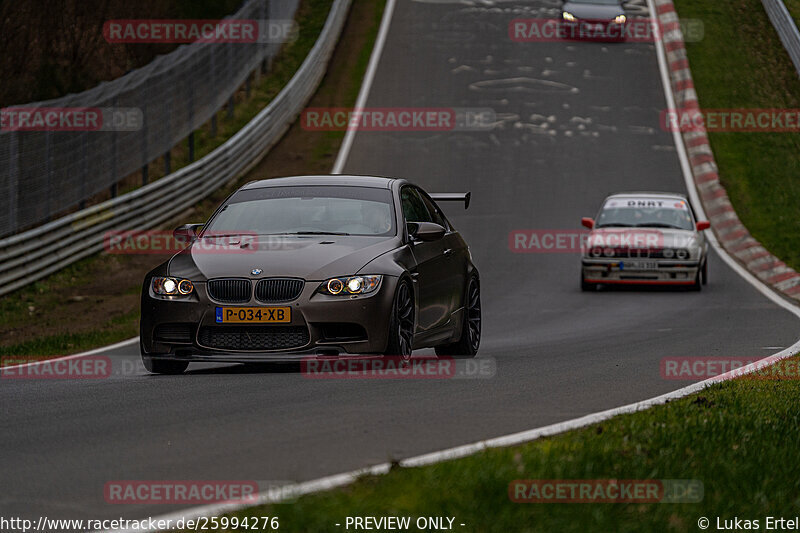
(230, 290)
(249, 338)
(174, 333)
(278, 289)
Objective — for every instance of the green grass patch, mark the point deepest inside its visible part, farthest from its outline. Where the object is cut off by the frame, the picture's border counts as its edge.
(114, 330)
(737, 438)
(741, 63)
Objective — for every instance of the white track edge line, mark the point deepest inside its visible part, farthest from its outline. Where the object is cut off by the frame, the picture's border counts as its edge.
(366, 85)
(102, 349)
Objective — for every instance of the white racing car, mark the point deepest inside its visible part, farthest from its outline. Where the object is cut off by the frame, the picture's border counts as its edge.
(645, 239)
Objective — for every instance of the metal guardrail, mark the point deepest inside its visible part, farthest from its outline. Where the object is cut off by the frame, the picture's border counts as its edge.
(145, 113)
(786, 28)
(34, 254)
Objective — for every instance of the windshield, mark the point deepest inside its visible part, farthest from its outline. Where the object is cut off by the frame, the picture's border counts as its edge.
(324, 210)
(650, 213)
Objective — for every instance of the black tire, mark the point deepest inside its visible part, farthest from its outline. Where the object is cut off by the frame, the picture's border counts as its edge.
(705, 272)
(587, 287)
(160, 366)
(467, 345)
(697, 286)
(401, 325)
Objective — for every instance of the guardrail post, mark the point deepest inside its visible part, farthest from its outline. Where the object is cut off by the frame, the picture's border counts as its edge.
(266, 63)
(48, 173)
(229, 48)
(114, 157)
(13, 181)
(85, 168)
(191, 121)
(143, 136)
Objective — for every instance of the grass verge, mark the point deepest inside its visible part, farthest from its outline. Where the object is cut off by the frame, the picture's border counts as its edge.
(741, 64)
(96, 301)
(717, 437)
(794, 9)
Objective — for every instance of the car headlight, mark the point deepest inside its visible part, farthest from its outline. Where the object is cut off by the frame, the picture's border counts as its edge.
(620, 19)
(351, 285)
(682, 253)
(669, 253)
(569, 16)
(171, 286)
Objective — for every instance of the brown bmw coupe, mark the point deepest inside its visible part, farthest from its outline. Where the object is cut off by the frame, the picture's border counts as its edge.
(314, 266)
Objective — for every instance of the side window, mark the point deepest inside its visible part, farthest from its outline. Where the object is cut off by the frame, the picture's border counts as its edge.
(436, 216)
(413, 207)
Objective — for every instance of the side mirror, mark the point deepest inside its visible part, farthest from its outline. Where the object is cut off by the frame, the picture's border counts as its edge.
(426, 231)
(587, 222)
(703, 225)
(187, 232)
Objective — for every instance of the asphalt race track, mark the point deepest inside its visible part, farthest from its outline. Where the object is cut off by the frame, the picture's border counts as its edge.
(575, 121)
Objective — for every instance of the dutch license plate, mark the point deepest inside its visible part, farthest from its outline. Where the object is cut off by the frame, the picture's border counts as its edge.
(638, 265)
(258, 315)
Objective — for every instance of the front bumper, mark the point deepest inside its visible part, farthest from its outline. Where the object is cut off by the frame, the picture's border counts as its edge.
(321, 325)
(592, 30)
(614, 271)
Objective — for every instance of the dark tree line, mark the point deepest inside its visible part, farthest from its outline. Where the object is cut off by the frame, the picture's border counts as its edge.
(49, 48)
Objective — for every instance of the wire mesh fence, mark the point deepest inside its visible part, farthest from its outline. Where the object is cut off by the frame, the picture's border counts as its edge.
(50, 171)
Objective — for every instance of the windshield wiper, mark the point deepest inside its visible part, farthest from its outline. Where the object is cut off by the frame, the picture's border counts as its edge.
(314, 233)
(216, 235)
(658, 225)
(617, 225)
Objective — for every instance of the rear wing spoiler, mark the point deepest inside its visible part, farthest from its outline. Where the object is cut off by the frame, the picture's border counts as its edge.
(452, 197)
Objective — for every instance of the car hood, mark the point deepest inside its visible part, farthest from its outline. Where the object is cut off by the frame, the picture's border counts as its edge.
(642, 238)
(593, 11)
(313, 258)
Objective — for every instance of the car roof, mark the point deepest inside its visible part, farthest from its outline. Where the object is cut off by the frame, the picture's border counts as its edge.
(334, 180)
(648, 194)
